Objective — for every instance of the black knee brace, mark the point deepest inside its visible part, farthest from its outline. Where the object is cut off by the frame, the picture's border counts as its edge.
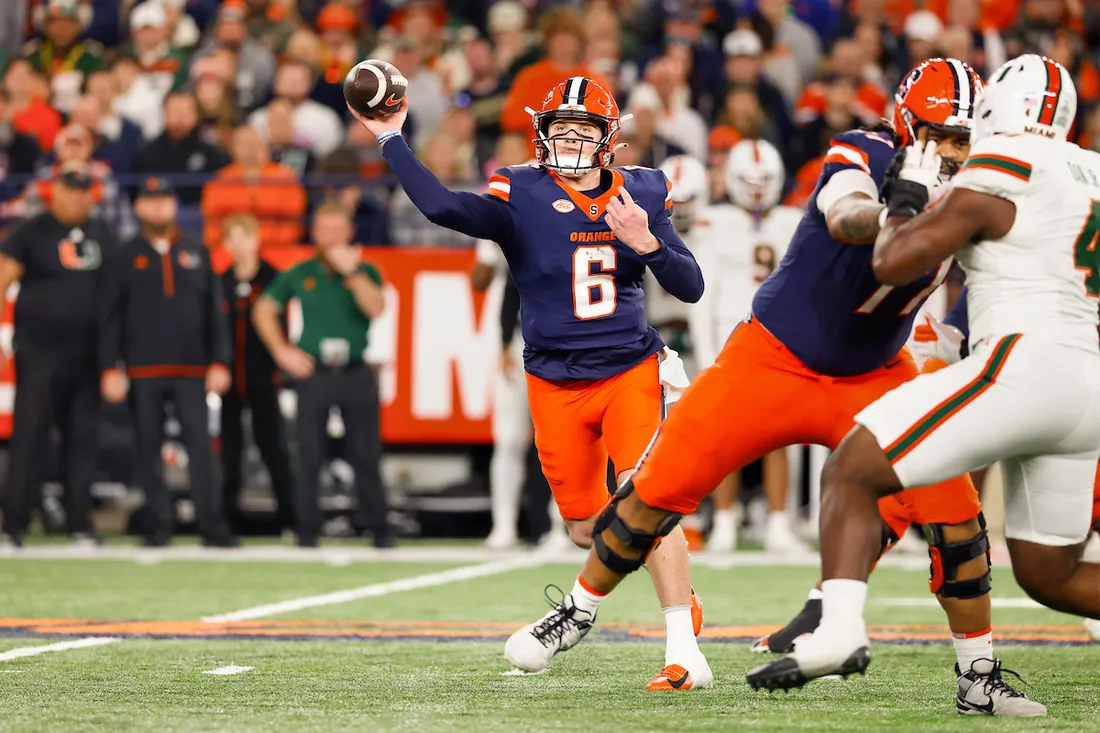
(948, 556)
(633, 538)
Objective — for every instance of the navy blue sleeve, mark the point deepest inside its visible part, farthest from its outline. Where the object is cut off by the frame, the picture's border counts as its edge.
(483, 217)
(673, 264)
(960, 319)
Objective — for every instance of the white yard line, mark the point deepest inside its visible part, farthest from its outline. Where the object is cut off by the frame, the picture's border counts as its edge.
(231, 669)
(455, 575)
(61, 646)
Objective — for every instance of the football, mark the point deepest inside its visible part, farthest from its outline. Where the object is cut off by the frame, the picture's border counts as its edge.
(375, 88)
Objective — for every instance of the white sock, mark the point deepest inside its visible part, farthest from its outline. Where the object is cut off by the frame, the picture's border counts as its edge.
(679, 635)
(971, 647)
(815, 594)
(842, 602)
(506, 472)
(585, 598)
(724, 521)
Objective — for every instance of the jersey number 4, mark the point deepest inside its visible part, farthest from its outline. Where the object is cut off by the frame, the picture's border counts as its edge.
(1085, 256)
(593, 292)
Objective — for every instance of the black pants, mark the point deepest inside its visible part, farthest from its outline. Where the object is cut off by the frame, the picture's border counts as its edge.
(52, 388)
(262, 400)
(355, 392)
(148, 398)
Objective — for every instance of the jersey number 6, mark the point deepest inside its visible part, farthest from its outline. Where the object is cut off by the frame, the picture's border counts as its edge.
(593, 292)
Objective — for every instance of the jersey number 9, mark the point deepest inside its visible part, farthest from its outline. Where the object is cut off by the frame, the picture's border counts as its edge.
(593, 292)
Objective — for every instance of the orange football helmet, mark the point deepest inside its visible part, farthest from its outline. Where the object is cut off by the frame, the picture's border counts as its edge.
(939, 93)
(576, 98)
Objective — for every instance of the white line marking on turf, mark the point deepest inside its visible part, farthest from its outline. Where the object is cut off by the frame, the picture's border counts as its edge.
(33, 651)
(231, 669)
(932, 602)
(455, 575)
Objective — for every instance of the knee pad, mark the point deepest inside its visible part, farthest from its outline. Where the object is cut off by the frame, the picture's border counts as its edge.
(948, 556)
(635, 539)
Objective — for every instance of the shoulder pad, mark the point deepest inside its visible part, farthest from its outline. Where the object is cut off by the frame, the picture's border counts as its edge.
(999, 165)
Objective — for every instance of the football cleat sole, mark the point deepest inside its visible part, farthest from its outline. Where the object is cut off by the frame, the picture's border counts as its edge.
(785, 674)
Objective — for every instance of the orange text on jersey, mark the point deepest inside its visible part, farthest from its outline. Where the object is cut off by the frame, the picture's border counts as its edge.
(592, 236)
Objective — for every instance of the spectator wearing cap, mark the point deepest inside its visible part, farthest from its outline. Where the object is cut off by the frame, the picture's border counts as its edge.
(513, 48)
(180, 149)
(721, 140)
(255, 64)
(164, 67)
(316, 127)
(163, 338)
(56, 257)
(28, 91)
(60, 54)
(253, 184)
(19, 154)
(563, 42)
(255, 379)
(923, 33)
(744, 67)
(334, 53)
(340, 295)
(484, 95)
(74, 145)
(837, 116)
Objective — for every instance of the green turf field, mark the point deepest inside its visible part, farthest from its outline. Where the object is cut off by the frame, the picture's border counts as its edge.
(414, 644)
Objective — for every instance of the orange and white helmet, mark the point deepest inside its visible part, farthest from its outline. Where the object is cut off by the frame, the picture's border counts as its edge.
(577, 98)
(755, 175)
(939, 93)
(690, 189)
(1031, 94)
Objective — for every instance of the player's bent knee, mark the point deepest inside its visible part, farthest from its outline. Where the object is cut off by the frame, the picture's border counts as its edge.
(621, 545)
(580, 532)
(860, 460)
(947, 557)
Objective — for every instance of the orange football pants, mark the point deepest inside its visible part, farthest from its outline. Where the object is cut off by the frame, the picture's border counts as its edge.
(579, 423)
(758, 397)
(1096, 500)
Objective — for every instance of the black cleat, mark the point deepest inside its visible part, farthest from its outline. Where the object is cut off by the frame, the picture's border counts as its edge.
(782, 641)
(785, 674)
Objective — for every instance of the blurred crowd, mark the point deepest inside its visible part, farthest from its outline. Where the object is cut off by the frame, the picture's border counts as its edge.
(239, 102)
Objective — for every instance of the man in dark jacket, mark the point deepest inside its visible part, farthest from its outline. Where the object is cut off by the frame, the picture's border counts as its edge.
(255, 376)
(164, 338)
(56, 257)
(179, 149)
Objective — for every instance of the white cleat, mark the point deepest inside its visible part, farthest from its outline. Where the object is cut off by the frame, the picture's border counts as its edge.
(983, 691)
(532, 647)
(1093, 627)
(500, 539)
(823, 653)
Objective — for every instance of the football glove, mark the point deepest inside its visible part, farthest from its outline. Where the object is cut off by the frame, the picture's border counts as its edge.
(913, 175)
(935, 339)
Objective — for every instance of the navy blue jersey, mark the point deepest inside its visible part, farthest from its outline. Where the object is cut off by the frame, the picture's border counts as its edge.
(582, 305)
(823, 301)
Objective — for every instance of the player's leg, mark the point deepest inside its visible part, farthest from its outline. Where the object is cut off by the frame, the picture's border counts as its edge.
(511, 439)
(1003, 401)
(574, 462)
(779, 536)
(756, 398)
(895, 522)
(631, 418)
(1046, 524)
